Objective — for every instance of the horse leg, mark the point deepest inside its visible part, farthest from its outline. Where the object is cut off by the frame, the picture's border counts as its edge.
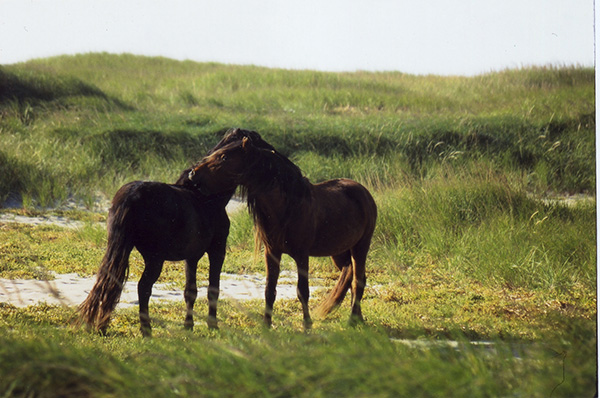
(342, 260)
(150, 275)
(191, 292)
(359, 281)
(303, 290)
(273, 260)
(216, 259)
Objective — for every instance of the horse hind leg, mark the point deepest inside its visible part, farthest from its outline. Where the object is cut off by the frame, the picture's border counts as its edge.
(359, 281)
(342, 260)
(150, 275)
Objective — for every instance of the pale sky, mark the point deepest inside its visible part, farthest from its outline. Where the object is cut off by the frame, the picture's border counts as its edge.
(464, 37)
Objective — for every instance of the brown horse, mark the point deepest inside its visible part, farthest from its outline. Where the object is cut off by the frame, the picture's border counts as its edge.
(165, 223)
(334, 218)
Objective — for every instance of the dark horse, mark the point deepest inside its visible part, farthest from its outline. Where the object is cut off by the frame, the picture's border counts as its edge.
(334, 218)
(165, 223)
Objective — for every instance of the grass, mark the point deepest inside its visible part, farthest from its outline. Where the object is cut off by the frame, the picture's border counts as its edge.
(73, 126)
(472, 244)
(483, 228)
(242, 359)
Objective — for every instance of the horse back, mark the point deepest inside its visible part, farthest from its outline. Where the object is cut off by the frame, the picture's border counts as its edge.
(344, 197)
(165, 220)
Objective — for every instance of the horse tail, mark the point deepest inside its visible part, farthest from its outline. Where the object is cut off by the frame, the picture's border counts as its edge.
(336, 296)
(95, 311)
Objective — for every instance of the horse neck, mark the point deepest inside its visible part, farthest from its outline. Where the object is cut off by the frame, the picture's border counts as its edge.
(217, 200)
(275, 189)
(273, 209)
(220, 200)
(272, 202)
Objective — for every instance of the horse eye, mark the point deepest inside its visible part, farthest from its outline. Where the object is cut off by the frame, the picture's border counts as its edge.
(223, 157)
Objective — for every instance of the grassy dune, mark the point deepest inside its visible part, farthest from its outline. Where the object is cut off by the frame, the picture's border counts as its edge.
(76, 125)
(471, 242)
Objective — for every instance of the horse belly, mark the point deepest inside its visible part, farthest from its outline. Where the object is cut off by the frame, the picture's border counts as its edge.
(173, 238)
(173, 245)
(331, 244)
(335, 236)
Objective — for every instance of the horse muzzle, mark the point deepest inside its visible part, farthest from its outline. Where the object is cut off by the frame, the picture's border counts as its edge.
(197, 184)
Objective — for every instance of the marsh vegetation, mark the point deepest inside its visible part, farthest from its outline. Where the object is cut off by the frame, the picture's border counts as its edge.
(473, 240)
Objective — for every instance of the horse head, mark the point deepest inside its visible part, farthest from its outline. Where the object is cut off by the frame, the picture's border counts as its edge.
(222, 170)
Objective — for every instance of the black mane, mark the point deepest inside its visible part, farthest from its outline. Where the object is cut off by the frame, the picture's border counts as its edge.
(268, 170)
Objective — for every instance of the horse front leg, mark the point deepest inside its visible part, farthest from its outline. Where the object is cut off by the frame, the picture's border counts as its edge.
(216, 259)
(150, 275)
(303, 290)
(191, 292)
(273, 260)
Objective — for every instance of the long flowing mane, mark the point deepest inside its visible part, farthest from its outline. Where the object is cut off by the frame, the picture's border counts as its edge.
(271, 170)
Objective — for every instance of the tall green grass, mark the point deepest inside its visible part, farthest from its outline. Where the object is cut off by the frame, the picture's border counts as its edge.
(467, 244)
(238, 363)
(457, 164)
(453, 161)
(74, 125)
(479, 225)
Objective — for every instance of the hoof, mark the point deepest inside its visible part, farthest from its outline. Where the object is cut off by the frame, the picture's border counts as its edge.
(356, 320)
(268, 322)
(308, 323)
(212, 323)
(146, 331)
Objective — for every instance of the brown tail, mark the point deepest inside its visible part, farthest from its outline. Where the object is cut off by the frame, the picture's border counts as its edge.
(104, 296)
(338, 293)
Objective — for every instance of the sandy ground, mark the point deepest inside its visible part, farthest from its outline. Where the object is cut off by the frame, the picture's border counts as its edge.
(45, 220)
(233, 206)
(72, 289)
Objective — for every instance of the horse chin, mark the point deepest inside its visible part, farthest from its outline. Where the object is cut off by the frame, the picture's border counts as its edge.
(203, 190)
(198, 186)
(192, 180)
